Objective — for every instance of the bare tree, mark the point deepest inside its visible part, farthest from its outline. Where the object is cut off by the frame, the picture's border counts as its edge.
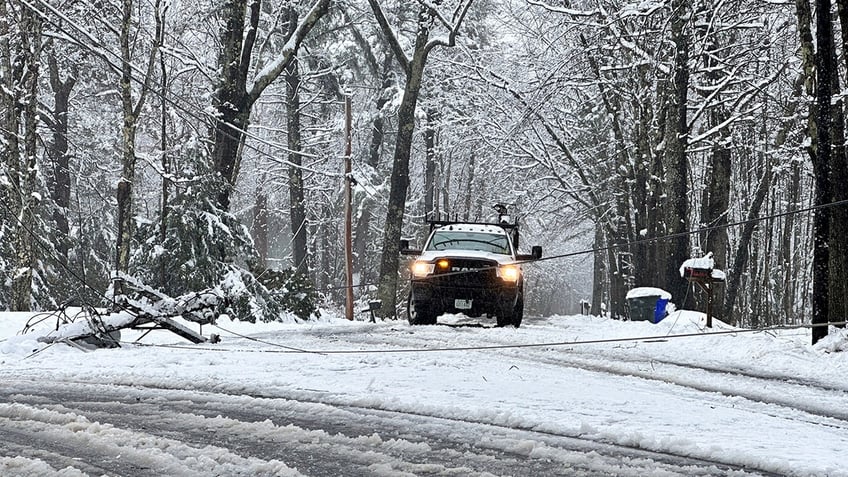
(675, 165)
(132, 109)
(25, 179)
(414, 68)
(825, 69)
(237, 91)
(57, 152)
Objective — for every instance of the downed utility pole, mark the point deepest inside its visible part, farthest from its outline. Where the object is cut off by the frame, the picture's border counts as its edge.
(149, 310)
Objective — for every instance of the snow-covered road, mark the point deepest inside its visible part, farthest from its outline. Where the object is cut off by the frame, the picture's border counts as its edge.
(390, 399)
(152, 432)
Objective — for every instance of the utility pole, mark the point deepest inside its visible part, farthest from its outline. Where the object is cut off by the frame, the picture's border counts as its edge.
(348, 233)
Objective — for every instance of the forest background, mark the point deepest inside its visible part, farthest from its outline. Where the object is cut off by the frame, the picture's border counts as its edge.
(173, 147)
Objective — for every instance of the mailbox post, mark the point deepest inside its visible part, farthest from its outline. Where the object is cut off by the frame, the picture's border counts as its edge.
(701, 272)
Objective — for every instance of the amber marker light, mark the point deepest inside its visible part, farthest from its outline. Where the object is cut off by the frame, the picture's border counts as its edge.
(443, 264)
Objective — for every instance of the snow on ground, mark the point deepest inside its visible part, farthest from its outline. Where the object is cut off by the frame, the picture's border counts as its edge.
(766, 400)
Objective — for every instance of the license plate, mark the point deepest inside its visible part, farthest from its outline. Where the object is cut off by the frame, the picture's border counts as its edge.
(462, 304)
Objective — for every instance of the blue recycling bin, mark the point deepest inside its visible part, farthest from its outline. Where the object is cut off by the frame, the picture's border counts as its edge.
(659, 311)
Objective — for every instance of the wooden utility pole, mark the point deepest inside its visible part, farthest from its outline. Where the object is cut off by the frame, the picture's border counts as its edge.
(348, 234)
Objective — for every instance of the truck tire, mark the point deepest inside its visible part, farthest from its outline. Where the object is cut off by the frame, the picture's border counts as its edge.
(417, 314)
(513, 314)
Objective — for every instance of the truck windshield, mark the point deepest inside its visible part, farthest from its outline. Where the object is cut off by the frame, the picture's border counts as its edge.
(493, 243)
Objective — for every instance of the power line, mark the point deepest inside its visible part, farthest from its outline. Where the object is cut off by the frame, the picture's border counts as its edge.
(554, 344)
(295, 350)
(646, 241)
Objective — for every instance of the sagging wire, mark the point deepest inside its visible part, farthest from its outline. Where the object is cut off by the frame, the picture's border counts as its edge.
(685, 296)
(556, 344)
(257, 340)
(61, 315)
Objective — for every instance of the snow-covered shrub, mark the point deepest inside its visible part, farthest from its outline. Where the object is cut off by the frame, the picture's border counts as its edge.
(295, 290)
(204, 248)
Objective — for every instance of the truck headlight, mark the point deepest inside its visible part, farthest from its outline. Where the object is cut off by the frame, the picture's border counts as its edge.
(422, 269)
(509, 273)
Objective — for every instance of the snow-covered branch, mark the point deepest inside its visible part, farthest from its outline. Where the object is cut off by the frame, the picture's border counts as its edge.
(453, 28)
(273, 69)
(390, 35)
(564, 10)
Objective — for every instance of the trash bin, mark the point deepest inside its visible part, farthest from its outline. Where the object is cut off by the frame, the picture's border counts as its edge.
(647, 304)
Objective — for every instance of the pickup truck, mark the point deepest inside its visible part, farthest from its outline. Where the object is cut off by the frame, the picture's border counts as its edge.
(470, 268)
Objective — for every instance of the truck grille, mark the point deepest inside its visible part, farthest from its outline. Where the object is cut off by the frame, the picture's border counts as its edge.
(466, 272)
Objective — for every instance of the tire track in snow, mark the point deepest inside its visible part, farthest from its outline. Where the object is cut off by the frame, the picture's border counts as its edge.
(442, 446)
(40, 430)
(804, 396)
(17, 442)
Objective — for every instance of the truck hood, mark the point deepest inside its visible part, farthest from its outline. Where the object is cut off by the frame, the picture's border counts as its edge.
(433, 255)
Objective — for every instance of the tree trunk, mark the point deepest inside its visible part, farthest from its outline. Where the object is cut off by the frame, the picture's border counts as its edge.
(10, 128)
(618, 228)
(598, 284)
(131, 113)
(789, 244)
(826, 68)
(617, 263)
(469, 186)
(60, 181)
(414, 69)
(297, 205)
(838, 307)
(444, 175)
(430, 165)
(716, 201)
(644, 200)
(362, 233)
(9, 102)
(717, 209)
(734, 275)
(260, 228)
(399, 183)
(31, 27)
(232, 99)
(805, 89)
(166, 169)
(676, 207)
(128, 129)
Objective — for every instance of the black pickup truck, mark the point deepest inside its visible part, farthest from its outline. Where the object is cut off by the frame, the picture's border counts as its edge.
(470, 268)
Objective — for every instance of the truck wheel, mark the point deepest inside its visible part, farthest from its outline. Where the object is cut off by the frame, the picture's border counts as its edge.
(518, 313)
(513, 315)
(417, 314)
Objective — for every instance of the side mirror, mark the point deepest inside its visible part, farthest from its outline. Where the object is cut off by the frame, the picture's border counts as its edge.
(535, 254)
(536, 251)
(405, 250)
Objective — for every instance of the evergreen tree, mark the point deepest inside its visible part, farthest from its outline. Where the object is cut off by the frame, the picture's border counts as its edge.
(208, 250)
